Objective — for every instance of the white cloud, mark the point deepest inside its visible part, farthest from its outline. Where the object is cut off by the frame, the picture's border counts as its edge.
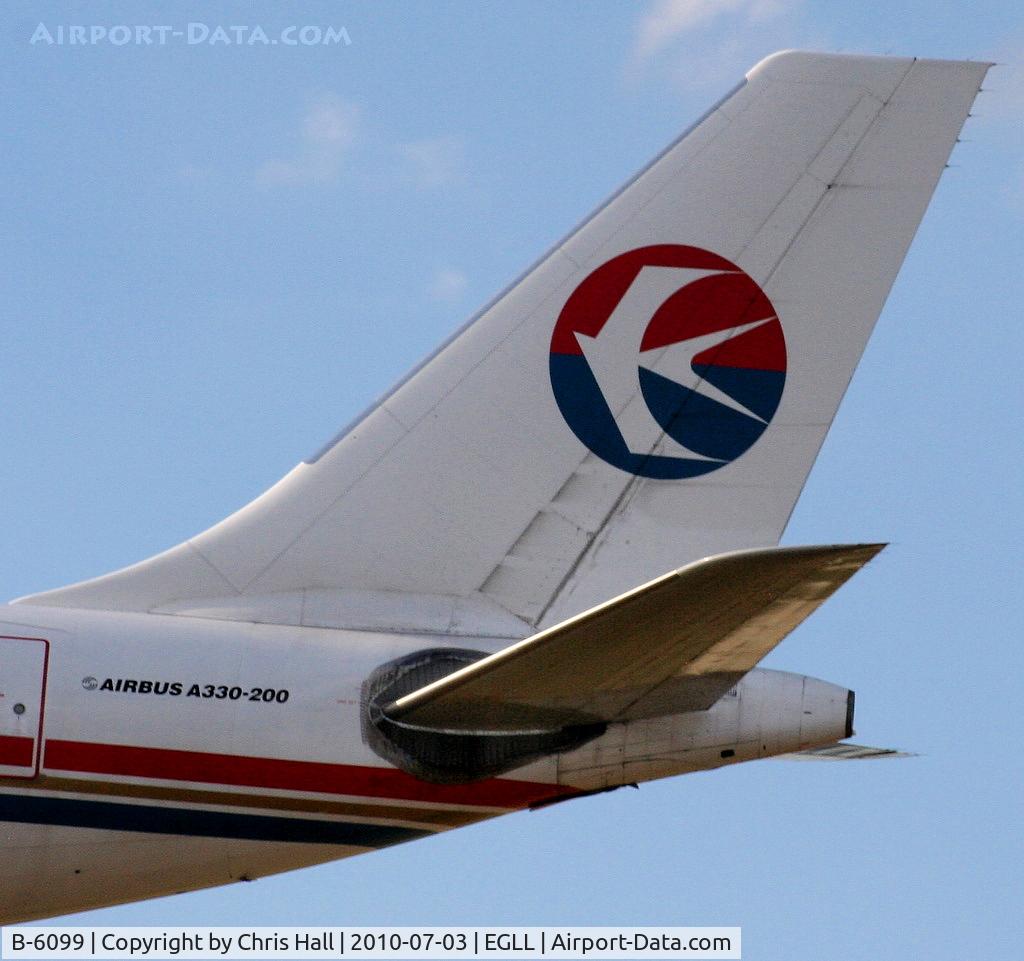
(331, 121)
(433, 162)
(668, 20)
(324, 141)
(707, 44)
(328, 132)
(448, 285)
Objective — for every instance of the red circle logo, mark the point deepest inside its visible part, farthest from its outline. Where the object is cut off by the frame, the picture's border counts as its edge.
(668, 361)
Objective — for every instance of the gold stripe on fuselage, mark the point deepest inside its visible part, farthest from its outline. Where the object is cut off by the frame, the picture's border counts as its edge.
(420, 817)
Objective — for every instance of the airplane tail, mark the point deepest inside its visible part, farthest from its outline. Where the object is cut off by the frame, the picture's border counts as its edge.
(654, 390)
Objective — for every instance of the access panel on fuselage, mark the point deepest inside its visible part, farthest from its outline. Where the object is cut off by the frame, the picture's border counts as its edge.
(22, 684)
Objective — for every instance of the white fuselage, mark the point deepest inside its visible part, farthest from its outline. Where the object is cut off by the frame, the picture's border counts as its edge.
(203, 752)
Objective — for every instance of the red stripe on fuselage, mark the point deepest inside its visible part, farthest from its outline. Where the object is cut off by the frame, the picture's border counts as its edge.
(317, 776)
(17, 751)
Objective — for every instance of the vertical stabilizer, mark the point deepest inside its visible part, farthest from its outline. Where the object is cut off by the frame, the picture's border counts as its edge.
(653, 391)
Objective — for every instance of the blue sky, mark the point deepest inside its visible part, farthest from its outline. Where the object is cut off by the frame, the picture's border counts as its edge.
(216, 256)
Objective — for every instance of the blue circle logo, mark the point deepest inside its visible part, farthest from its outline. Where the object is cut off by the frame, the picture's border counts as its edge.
(700, 339)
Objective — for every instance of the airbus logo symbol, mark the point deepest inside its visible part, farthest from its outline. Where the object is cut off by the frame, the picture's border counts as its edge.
(700, 338)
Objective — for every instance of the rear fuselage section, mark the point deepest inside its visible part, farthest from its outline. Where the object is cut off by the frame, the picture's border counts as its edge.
(206, 751)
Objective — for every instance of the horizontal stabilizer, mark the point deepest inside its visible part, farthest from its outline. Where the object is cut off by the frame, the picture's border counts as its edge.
(844, 751)
(675, 644)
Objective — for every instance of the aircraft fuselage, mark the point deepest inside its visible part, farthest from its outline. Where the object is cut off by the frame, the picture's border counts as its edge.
(208, 751)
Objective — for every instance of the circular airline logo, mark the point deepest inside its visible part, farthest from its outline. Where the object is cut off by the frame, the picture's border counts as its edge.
(668, 361)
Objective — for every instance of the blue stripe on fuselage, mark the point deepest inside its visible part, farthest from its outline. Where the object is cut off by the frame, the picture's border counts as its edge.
(72, 812)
